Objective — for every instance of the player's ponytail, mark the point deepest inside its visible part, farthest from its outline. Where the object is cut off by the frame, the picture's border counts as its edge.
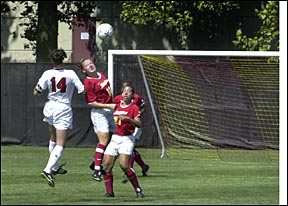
(57, 56)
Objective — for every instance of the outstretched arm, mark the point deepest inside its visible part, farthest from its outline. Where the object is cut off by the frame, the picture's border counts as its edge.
(97, 105)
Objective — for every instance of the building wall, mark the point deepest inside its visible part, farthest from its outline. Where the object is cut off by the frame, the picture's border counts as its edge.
(126, 36)
(14, 46)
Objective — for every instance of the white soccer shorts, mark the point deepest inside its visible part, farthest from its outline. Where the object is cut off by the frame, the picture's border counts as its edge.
(120, 145)
(59, 115)
(103, 120)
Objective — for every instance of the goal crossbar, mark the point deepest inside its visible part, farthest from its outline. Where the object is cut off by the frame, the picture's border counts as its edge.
(112, 52)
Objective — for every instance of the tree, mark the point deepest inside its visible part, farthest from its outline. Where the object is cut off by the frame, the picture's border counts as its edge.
(185, 17)
(182, 16)
(267, 37)
(41, 21)
(47, 27)
(206, 15)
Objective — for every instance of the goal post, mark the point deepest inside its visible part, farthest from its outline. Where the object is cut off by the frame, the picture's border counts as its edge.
(206, 99)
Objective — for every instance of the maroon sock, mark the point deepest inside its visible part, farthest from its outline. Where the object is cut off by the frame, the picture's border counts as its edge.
(132, 159)
(108, 180)
(133, 178)
(98, 156)
(139, 159)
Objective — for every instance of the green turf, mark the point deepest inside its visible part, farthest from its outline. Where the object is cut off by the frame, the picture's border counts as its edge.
(169, 181)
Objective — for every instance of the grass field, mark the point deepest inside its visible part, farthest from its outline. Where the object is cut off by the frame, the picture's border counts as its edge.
(169, 181)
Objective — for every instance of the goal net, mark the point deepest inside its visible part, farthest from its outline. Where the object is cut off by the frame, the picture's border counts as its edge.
(226, 102)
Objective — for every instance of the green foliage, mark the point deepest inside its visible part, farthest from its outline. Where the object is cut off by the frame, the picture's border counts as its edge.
(267, 37)
(179, 14)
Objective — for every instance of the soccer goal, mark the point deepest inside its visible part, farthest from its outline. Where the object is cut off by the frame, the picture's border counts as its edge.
(224, 101)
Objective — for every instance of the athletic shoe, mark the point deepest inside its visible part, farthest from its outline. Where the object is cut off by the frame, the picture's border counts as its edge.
(139, 193)
(91, 166)
(60, 170)
(49, 178)
(145, 170)
(103, 171)
(97, 176)
(109, 194)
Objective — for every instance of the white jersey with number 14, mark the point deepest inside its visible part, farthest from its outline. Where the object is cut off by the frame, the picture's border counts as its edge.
(60, 84)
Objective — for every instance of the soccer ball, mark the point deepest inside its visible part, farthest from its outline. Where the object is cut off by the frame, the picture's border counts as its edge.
(104, 31)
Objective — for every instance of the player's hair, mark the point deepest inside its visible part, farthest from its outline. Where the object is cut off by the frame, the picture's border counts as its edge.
(126, 83)
(80, 64)
(57, 56)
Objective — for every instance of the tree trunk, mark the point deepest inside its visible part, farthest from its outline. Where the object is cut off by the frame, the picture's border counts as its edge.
(47, 31)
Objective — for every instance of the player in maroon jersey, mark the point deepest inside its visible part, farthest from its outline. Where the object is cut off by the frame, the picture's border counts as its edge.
(136, 156)
(127, 117)
(99, 98)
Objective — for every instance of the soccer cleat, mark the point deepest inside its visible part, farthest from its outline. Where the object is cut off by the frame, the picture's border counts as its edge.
(49, 178)
(139, 193)
(60, 170)
(103, 171)
(91, 166)
(145, 170)
(109, 194)
(97, 176)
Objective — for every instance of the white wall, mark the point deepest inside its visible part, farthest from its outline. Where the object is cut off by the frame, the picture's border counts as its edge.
(13, 45)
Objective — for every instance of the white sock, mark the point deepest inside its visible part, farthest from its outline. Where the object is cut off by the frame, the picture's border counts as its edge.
(51, 147)
(54, 157)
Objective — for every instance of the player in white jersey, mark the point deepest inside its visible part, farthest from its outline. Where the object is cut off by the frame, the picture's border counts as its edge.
(60, 83)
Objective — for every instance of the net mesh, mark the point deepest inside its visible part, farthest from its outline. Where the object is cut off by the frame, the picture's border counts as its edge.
(226, 105)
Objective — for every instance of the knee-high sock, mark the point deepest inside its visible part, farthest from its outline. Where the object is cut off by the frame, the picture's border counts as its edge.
(132, 159)
(139, 159)
(108, 180)
(98, 156)
(51, 147)
(54, 157)
(133, 178)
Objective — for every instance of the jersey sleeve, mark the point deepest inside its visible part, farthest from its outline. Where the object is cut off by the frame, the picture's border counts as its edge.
(136, 112)
(78, 84)
(139, 101)
(42, 83)
(117, 99)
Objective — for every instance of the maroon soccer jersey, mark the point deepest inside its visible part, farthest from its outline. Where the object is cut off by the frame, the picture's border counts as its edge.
(98, 89)
(124, 127)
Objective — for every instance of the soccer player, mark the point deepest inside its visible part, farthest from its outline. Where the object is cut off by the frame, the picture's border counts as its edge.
(99, 98)
(127, 117)
(136, 156)
(60, 83)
